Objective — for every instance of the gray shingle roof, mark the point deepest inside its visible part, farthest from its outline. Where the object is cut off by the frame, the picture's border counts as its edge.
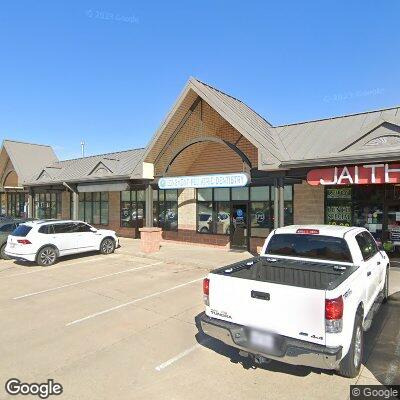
(257, 129)
(339, 136)
(304, 143)
(246, 121)
(120, 164)
(28, 157)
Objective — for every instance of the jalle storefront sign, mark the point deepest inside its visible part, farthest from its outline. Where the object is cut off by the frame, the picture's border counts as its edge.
(355, 175)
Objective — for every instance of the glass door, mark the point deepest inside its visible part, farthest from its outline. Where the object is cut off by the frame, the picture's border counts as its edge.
(239, 226)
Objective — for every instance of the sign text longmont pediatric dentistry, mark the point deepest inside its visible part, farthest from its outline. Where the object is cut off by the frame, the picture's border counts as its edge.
(204, 181)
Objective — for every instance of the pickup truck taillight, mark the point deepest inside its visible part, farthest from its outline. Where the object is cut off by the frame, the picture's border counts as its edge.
(334, 315)
(23, 241)
(206, 291)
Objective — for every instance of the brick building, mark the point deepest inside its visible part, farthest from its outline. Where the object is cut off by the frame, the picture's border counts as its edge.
(17, 161)
(217, 173)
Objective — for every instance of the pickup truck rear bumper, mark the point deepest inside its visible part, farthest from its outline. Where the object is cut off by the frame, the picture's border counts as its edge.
(290, 351)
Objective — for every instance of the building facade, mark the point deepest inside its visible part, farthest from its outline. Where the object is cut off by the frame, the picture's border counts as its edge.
(17, 161)
(216, 173)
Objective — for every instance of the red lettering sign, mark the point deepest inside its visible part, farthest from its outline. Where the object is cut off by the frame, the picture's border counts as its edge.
(355, 175)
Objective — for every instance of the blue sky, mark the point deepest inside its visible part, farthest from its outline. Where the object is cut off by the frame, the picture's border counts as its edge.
(109, 71)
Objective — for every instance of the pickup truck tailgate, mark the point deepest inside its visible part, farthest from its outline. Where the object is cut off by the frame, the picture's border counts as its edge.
(292, 311)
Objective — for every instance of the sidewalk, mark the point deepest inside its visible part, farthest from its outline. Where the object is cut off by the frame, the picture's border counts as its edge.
(205, 257)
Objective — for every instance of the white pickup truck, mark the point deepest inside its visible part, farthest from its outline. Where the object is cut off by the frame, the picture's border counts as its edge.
(307, 300)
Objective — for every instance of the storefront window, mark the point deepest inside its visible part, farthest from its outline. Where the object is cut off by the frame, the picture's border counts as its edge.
(241, 193)
(3, 205)
(93, 208)
(361, 205)
(370, 217)
(214, 208)
(338, 210)
(133, 208)
(165, 209)
(16, 205)
(261, 212)
(213, 211)
(368, 208)
(47, 205)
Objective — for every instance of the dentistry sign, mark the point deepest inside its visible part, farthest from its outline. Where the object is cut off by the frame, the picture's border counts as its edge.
(355, 175)
(204, 181)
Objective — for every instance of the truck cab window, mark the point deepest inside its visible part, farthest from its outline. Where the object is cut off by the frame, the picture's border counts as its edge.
(367, 245)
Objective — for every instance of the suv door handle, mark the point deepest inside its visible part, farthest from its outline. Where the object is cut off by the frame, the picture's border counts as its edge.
(378, 263)
(368, 273)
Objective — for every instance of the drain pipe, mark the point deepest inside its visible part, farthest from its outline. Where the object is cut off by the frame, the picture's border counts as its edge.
(68, 187)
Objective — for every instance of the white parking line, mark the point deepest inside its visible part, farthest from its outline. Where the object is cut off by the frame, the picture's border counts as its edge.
(85, 281)
(131, 302)
(177, 357)
(49, 269)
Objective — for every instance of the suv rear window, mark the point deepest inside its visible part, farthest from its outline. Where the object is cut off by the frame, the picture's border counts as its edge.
(309, 246)
(47, 229)
(22, 230)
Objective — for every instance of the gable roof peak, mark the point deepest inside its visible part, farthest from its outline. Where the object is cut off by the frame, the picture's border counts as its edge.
(27, 143)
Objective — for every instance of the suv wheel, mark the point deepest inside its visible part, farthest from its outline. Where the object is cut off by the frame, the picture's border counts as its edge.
(351, 364)
(107, 246)
(47, 256)
(3, 255)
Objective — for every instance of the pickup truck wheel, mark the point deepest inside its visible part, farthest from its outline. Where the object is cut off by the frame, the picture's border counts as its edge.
(46, 256)
(351, 363)
(107, 246)
(3, 254)
(386, 287)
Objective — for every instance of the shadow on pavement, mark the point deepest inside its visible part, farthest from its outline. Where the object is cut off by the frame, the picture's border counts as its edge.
(60, 260)
(382, 343)
(381, 351)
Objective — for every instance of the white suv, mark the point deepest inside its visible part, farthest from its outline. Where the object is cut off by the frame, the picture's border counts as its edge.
(45, 241)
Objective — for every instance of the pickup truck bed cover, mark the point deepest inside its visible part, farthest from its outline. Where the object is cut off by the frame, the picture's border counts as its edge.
(307, 274)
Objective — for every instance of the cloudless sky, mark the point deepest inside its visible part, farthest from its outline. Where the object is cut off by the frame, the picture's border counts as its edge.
(109, 71)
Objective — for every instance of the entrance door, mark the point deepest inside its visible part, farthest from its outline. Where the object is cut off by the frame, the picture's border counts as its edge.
(239, 226)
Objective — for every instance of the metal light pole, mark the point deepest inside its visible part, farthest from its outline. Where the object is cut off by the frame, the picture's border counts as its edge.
(83, 148)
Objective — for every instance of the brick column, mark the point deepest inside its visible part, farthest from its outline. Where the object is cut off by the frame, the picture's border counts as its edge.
(187, 209)
(75, 203)
(150, 239)
(308, 204)
(66, 205)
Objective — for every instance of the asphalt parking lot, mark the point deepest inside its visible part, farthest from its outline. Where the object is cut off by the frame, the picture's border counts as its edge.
(123, 327)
